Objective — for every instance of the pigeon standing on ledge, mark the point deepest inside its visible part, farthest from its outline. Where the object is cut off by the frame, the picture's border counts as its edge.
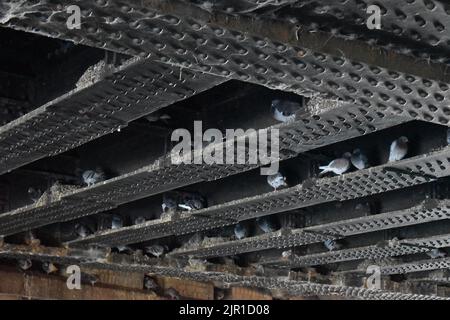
(82, 231)
(436, 253)
(91, 177)
(266, 225)
(332, 245)
(117, 222)
(398, 149)
(24, 264)
(240, 231)
(359, 160)
(284, 111)
(337, 166)
(191, 201)
(156, 250)
(277, 181)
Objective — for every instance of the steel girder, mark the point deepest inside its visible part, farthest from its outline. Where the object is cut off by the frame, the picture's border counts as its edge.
(379, 251)
(299, 136)
(416, 266)
(388, 177)
(430, 211)
(127, 264)
(270, 52)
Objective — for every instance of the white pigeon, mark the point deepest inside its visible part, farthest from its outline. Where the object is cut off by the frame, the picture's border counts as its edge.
(81, 230)
(337, 166)
(332, 245)
(284, 110)
(436, 253)
(24, 264)
(359, 160)
(240, 231)
(155, 250)
(398, 149)
(265, 224)
(91, 177)
(277, 181)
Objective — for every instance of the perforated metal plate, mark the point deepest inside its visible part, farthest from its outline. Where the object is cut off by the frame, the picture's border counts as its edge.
(273, 53)
(305, 134)
(393, 176)
(432, 211)
(416, 266)
(139, 88)
(405, 247)
(297, 288)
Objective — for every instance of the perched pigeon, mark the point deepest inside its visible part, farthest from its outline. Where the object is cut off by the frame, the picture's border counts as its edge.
(398, 149)
(172, 294)
(284, 110)
(277, 181)
(24, 264)
(332, 245)
(392, 243)
(286, 254)
(139, 220)
(359, 160)
(124, 249)
(240, 231)
(91, 177)
(436, 253)
(169, 203)
(337, 166)
(191, 201)
(116, 222)
(30, 238)
(82, 231)
(155, 250)
(150, 283)
(34, 194)
(265, 224)
(49, 267)
(88, 278)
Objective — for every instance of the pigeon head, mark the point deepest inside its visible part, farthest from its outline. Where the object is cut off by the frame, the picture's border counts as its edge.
(403, 139)
(347, 155)
(275, 103)
(356, 152)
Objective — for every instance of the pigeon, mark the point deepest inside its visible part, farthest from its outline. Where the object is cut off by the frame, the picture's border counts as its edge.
(398, 149)
(436, 253)
(359, 160)
(82, 231)
(337, 166)
(117, 222)
(392, 243)
(332, 245)
(24, 264)
(155, 250)
(284, 110)
(91, 177)
(172, 294)
(34, 194)
(150, 283)
(265, 224)
(88, 278)
(277, 181)
(169, 203)
(191, 201)
(240, 231)
(30, 238)
(124, 249)
(49, 267)
(139, 220)
(286, 254)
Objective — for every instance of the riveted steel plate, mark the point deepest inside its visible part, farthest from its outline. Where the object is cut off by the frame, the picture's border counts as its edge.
(298, 288)
(299, 136)
(134, 90)
(273, 53)
(438, 210)
(388, 177)
(416, 266)
(404, 247)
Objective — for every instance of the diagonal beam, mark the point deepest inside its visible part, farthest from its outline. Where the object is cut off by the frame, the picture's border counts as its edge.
(430, 211)
(129, 92)
(274, 53)
(375, 180)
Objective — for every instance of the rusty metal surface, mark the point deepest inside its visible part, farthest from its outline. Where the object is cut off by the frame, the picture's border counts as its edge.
(434, 211)
(393, 176)
(131, 91)
(274, 53)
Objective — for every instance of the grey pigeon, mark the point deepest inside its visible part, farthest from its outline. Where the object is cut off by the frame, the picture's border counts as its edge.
(337, 166)
(436, 253)
(277, 181)
(124, 249)
(169, 202)
(284, 110)
(24, 264)
(240, 231)
(172, 294)
(155, 250)
(359, 159)
(116, 222)
(191, 201)
(49, 267)
(139, 220)
(332, 245)
(91, 177)
(82, 231)
(265, 224)
(34, 194)
(150, 283)
(398, 149)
